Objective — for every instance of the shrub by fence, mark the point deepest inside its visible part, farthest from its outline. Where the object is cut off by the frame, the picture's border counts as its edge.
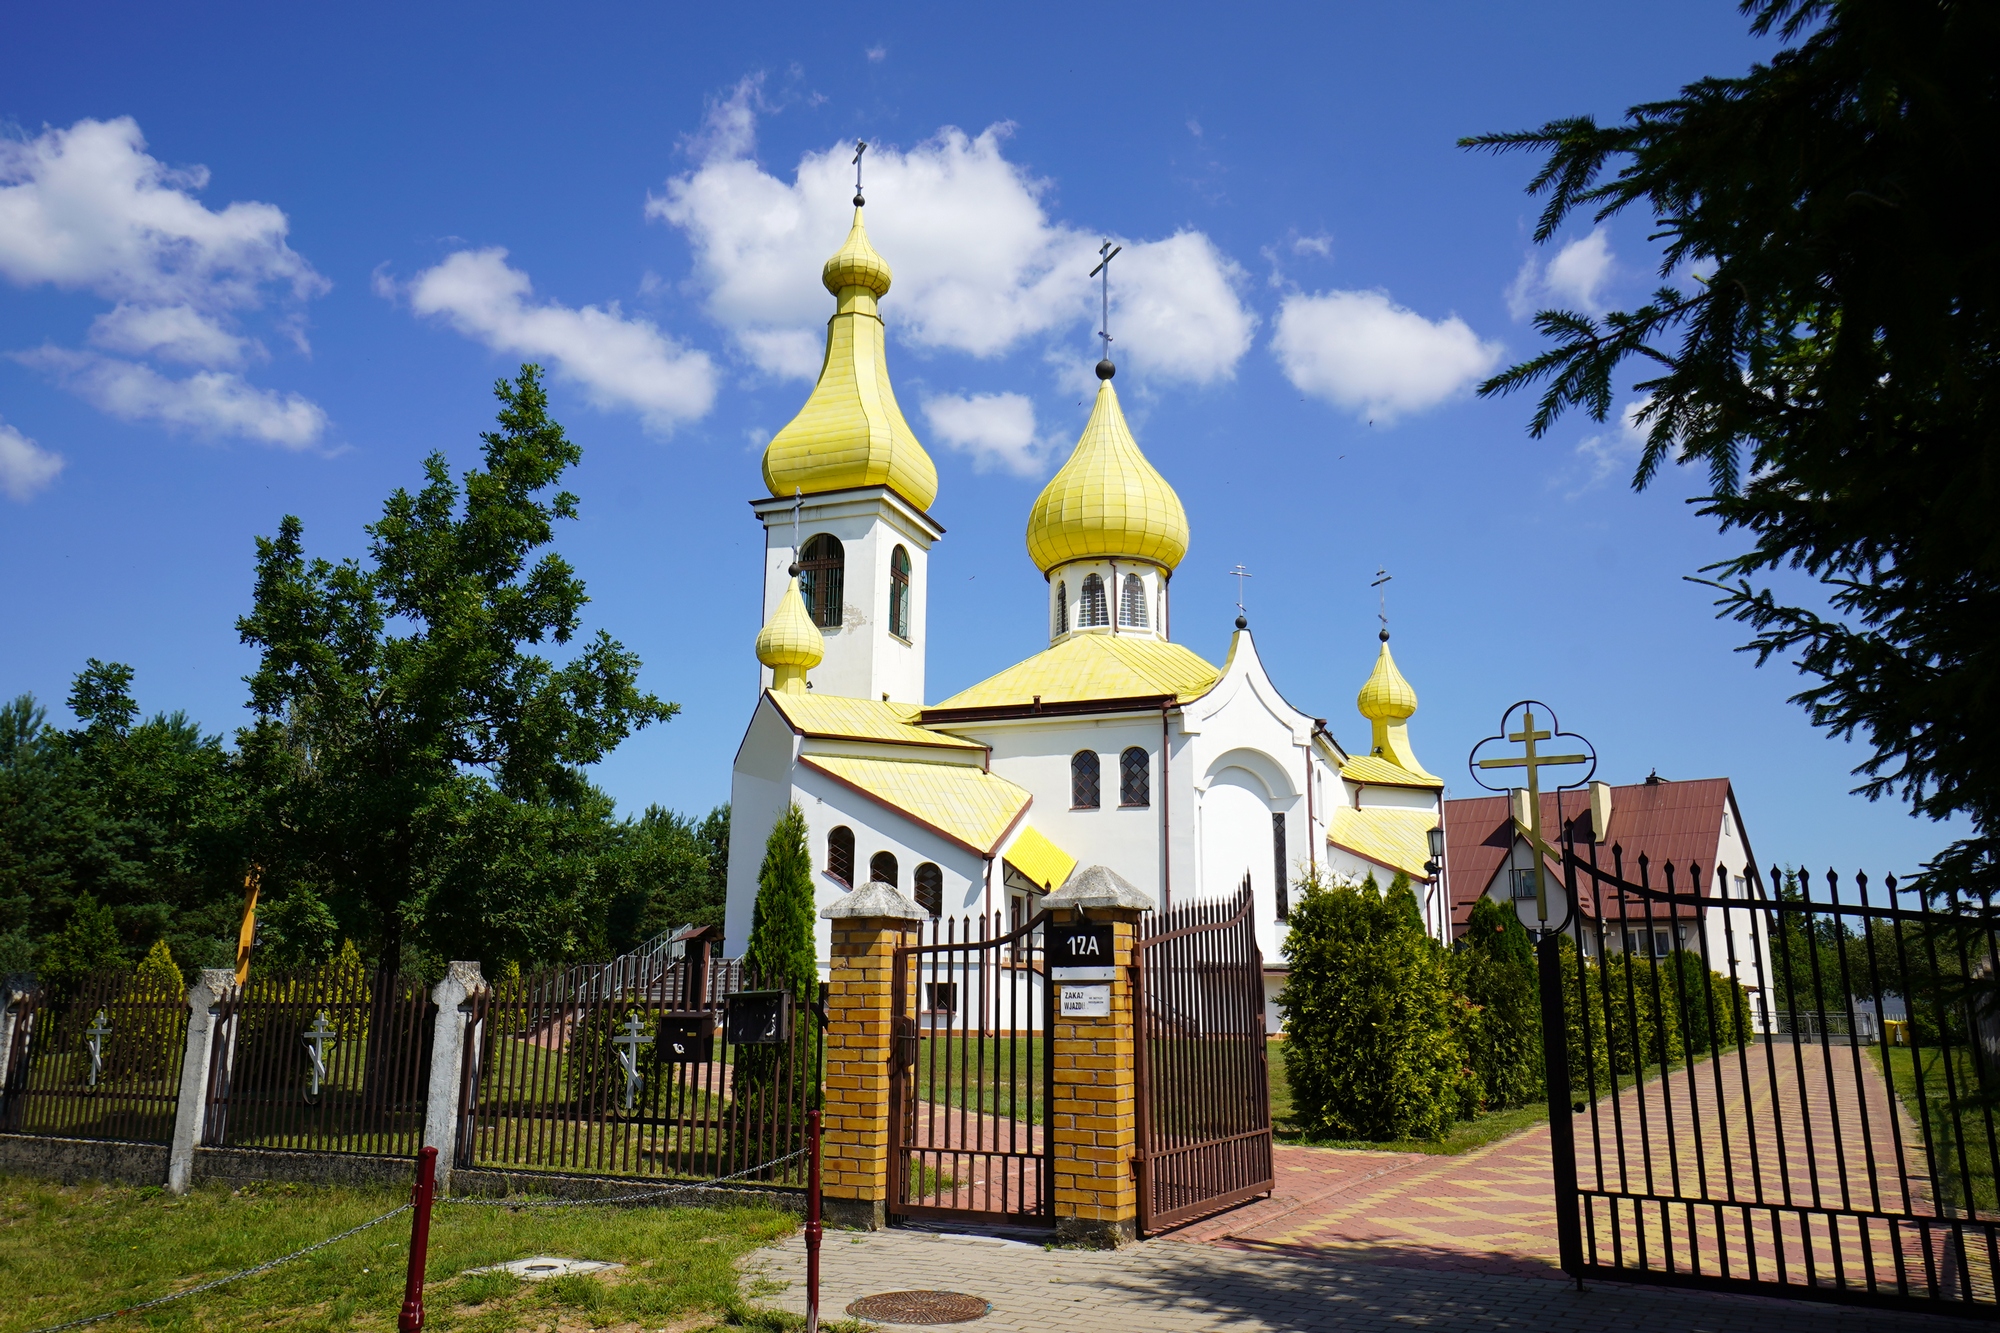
(102, 1062)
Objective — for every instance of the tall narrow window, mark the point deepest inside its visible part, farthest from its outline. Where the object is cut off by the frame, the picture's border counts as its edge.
(1090, 611)
(1062, 609)
(882, 869)
(1083, 780)
(1134, 777)
(930, 888)
(1132, 602)
(840, 855)
(899, 593)
(1278, 866)
(823, 578)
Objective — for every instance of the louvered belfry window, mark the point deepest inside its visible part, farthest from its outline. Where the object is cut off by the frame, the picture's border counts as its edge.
(840, 855)
(823, 578)
(1090, 609)
(1134, 777)
(1132, 602)
(1062, 608)
(899, 593)
(1083, 780)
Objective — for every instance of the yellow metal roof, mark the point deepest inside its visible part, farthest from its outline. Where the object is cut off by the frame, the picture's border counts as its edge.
(831, 716)
(851, 432)
(968, 805)
(1040, 860)
(1380, 772)
(790, 639)
(1386, 695)
(1107, 500)
(1399, 839)
(1095, 666)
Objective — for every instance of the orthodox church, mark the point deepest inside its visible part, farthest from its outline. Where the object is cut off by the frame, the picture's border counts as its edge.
(1113, 745)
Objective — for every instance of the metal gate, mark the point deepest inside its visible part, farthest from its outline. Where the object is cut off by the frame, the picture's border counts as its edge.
(971, 1075)
(1204, 1089)
(1739, 1118)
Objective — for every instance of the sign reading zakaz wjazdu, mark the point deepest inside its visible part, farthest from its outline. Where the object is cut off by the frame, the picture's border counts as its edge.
(1082, 951)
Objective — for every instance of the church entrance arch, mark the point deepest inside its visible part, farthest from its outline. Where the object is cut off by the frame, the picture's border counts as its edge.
(971, 1077)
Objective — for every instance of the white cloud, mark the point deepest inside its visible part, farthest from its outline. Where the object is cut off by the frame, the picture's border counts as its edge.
(996, 429)
(1361, 351)
(618, 361)
(1575, 276)
(88, 209)
(877, 54)
(980, 267)
(1600, 456)
(209, 403)
(25, 467)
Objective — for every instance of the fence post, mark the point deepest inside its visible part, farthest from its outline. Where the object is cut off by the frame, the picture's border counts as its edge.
(448, 1052)
(411, 1318)
(867, 925)
(1094, 1114)
(14, 988)
(211, 988)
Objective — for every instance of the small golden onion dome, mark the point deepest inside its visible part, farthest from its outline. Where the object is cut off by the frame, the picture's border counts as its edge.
(856, 264)
(790, 644)
(851, 431)
(1387, 697)
(1107, 500)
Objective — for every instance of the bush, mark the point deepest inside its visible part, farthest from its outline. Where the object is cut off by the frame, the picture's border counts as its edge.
(1494, 966)
(1370, 1013)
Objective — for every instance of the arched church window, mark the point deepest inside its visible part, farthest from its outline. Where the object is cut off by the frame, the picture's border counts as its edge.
(899, 593)
(1083, 778)
(1090, 608)
(1278, 867)
(840, 855)
(1135, 785)
(1062, 608)
(882, 869)
(930, 888)
(823, 578)
(1132, 602)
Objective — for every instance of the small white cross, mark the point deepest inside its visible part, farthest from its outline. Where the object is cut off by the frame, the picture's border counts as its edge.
(316, 1037)
(630, 1041)
(97, 1032)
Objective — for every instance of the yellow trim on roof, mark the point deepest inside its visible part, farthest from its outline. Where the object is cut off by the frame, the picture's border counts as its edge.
(1095, 666)
(1040, 860)
(1374, 771)
(970, 806)
(837, 718)
(1398, 839)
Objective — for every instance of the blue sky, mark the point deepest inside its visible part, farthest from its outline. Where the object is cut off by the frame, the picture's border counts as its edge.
(257, 260)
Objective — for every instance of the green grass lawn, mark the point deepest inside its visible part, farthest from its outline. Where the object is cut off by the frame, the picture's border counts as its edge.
(1464, 1136)
(66, 1252)
(1001, 1076)
(1919, 1074)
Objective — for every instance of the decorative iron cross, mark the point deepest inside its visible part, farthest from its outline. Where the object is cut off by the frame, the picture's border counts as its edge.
(1534, 762)
(860, 147)
(629, 1041)
(316, 1038)
(1382, 579)
(1239, 574)
(96, 1033)
(1109, 252)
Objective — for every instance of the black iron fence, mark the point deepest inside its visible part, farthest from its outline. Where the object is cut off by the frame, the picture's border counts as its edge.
(101, 1062)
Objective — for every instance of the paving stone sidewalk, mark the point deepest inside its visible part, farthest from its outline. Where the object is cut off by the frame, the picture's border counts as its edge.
(1165, 1286)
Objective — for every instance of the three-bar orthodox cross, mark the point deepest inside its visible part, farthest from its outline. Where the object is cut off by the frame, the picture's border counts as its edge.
(99, 1029)
(316, 1038)
(1106, 252)
(629, 1040)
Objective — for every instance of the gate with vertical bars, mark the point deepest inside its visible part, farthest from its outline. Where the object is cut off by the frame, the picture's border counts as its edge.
(1746, 1112)
(1203, 1087)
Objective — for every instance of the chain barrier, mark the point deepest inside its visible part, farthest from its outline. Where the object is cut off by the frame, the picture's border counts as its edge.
(651, 1195)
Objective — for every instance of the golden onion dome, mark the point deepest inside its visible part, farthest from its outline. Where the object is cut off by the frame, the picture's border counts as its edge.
(790, 639)
(1107, 500)
(1387, 697)
(850, 431)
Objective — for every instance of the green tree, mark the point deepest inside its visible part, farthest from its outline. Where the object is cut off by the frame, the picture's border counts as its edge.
(781, 950)
(86, 944)
(1495, 970)
(672, 870)
(1371, 1049)
(422, 771)
(1827, 345)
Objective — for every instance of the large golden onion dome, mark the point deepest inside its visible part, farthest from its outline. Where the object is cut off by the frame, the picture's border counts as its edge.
(1107, 500)
(851, 432)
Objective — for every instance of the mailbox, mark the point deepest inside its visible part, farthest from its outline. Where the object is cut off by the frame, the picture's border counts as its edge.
(686, 1039)
(757, 1017)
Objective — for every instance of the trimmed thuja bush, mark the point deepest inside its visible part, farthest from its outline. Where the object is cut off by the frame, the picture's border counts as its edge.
(1494, 965)
(1373, 1047)
(1636, 1016)
(781, 953)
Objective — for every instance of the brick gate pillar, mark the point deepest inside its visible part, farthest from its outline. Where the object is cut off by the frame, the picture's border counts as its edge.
(1094, 1117)
(868, 924)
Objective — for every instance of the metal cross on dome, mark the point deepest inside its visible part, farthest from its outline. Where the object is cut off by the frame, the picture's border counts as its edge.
(99, 1029)
(1239, 574)
(1108, 252)
(316, 1038)
(1534, 761)
(629, 1041)
(1382, 579)
(860, 147)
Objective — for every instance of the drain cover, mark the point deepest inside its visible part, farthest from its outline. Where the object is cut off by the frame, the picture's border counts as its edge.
(920, 1307)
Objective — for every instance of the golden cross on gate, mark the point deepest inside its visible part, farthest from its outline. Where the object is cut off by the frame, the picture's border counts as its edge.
(1535, 763)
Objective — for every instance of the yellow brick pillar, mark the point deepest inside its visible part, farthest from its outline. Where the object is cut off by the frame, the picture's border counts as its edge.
(1094, 1117)
(868, 924)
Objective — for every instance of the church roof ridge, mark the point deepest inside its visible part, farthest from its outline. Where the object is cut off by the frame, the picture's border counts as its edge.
(970, 806)
(1093, 667)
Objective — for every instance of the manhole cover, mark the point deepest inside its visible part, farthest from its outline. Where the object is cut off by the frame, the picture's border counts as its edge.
(920, 1307)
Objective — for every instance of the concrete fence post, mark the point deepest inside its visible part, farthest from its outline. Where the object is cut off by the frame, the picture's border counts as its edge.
(205, 997)
(1094, 1116)
(453, 997)
(868, 924)
(14, 989)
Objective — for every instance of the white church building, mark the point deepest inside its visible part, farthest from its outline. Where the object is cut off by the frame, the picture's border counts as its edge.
(1111, 745)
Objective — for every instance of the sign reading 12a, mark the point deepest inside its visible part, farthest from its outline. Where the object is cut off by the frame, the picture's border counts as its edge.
(1082, 951)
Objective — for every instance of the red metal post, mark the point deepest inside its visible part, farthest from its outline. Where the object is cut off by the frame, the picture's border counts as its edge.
(421, 1194)
(813, 1229)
